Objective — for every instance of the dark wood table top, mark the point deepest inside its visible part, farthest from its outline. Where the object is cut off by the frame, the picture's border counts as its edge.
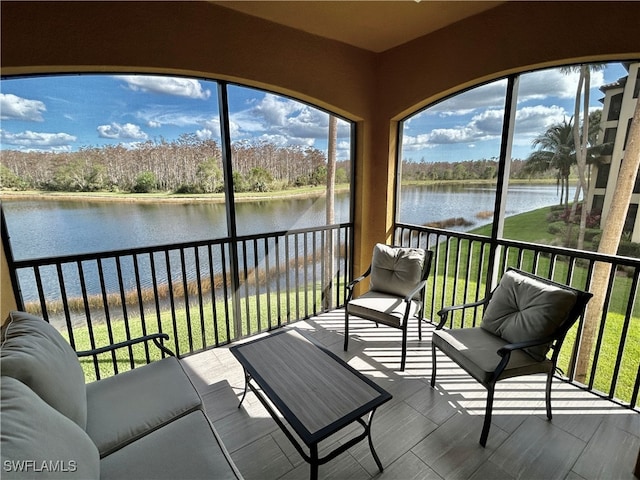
(315, 391)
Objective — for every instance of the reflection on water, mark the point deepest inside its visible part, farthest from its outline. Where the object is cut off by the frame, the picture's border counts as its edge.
(54, 228)
(44, 228)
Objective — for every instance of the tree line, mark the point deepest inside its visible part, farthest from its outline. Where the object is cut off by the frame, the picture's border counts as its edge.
(186, 165)
(192, 165)
(483, 169)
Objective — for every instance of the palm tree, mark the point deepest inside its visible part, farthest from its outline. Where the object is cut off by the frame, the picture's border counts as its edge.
(581, 136)
(609, 242)
(555, 151)
(330, 209)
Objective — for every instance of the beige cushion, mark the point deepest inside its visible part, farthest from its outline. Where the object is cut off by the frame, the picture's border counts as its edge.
(41, 441)
(382, 308)
(129, 405)
(187, 448)
(523, 308)
(396, 270)
(35, 353)
(476, 351)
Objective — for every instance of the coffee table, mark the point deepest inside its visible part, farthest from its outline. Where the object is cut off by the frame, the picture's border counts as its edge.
(315, 391)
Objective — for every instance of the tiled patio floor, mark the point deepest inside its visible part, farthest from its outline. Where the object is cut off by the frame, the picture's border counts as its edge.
(424, 432)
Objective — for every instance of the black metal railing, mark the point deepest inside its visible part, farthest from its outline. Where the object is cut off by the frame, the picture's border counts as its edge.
(209, 293)
(466, 266)
(203, 294)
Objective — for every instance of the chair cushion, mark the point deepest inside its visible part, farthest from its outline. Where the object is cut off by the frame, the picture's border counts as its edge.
(396, 270)
(35, 353)
(382, 308)
(39, 442)
(522, 308)
(476, 351)
(129, 405)
(187, 448)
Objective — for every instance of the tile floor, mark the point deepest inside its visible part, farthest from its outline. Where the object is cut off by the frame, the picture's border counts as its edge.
(425, 433)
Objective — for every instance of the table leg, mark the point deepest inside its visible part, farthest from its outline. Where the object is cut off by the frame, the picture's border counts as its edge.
(313, 450)
(373, 450)
(247, 377)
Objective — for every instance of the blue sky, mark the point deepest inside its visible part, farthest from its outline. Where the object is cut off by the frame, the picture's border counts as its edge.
(468, 126)
(66, 113)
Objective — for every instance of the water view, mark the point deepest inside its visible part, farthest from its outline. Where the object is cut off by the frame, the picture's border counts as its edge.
(48, 228)
(44, 228)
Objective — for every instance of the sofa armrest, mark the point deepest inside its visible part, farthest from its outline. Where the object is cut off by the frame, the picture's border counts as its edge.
(155, 337)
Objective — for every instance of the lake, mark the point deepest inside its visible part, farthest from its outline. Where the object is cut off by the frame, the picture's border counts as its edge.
(44, 228)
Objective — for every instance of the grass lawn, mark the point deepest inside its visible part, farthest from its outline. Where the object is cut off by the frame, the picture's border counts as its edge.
(210, 329)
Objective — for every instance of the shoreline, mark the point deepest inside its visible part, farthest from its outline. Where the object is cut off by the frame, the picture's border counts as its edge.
(217, 198)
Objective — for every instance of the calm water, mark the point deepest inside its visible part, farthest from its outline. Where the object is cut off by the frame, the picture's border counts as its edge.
(41, 228)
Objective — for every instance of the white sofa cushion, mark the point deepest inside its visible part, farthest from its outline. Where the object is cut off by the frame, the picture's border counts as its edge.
(35, 353)
(129, 405)
(39, 442)
(187, 448)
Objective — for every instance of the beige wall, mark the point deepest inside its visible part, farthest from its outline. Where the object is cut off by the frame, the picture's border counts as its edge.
(375, 90)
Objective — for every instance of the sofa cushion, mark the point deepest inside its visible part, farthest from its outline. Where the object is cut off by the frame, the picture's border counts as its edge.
(523, 308)
(187, 448)
(382, 308)
(38, 441)
(129, 405)
(35, 353)
(396, 270)
(476, 351)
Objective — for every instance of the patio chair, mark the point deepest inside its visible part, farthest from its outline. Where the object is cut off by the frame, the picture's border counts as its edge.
(396, 291)
(524, 317)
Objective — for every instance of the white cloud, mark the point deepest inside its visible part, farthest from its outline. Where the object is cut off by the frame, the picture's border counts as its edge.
(117, 131)
(176, 86)
(13, 107)
(32, 140)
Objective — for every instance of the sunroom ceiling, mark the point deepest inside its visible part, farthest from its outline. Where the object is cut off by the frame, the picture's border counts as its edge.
(372, 25)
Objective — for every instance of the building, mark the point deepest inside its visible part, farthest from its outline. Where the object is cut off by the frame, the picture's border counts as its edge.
(619, 103)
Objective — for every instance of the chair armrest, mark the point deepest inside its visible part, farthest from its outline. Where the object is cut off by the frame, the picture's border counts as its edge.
(444, 313)
(355, 281)
(155, 338)
(409, 296)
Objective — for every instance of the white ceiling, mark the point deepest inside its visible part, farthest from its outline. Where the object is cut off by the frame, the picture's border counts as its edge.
(372, 25)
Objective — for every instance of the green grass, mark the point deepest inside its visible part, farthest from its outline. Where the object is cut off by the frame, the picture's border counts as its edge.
(206, 331)
(457, 256)
(530, 227)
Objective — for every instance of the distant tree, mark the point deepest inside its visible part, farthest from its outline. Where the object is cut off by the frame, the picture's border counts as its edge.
(145, 182)
(10, 180)
(581, 137)
(209, 175)
(555, 152)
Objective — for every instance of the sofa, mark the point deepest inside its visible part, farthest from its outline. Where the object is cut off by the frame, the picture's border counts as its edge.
(146, 423)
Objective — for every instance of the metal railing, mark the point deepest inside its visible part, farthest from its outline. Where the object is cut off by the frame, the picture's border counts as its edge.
(209, 293)
(203, 294)
(466, 266)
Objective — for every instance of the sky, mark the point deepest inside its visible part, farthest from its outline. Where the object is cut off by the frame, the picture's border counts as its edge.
(66, 113)
(468, 126)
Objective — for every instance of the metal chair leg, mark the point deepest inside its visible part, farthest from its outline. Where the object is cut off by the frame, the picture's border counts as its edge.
(404, 348)
(433, 365)
(346, 329)
(548, 393)
(487, 416)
